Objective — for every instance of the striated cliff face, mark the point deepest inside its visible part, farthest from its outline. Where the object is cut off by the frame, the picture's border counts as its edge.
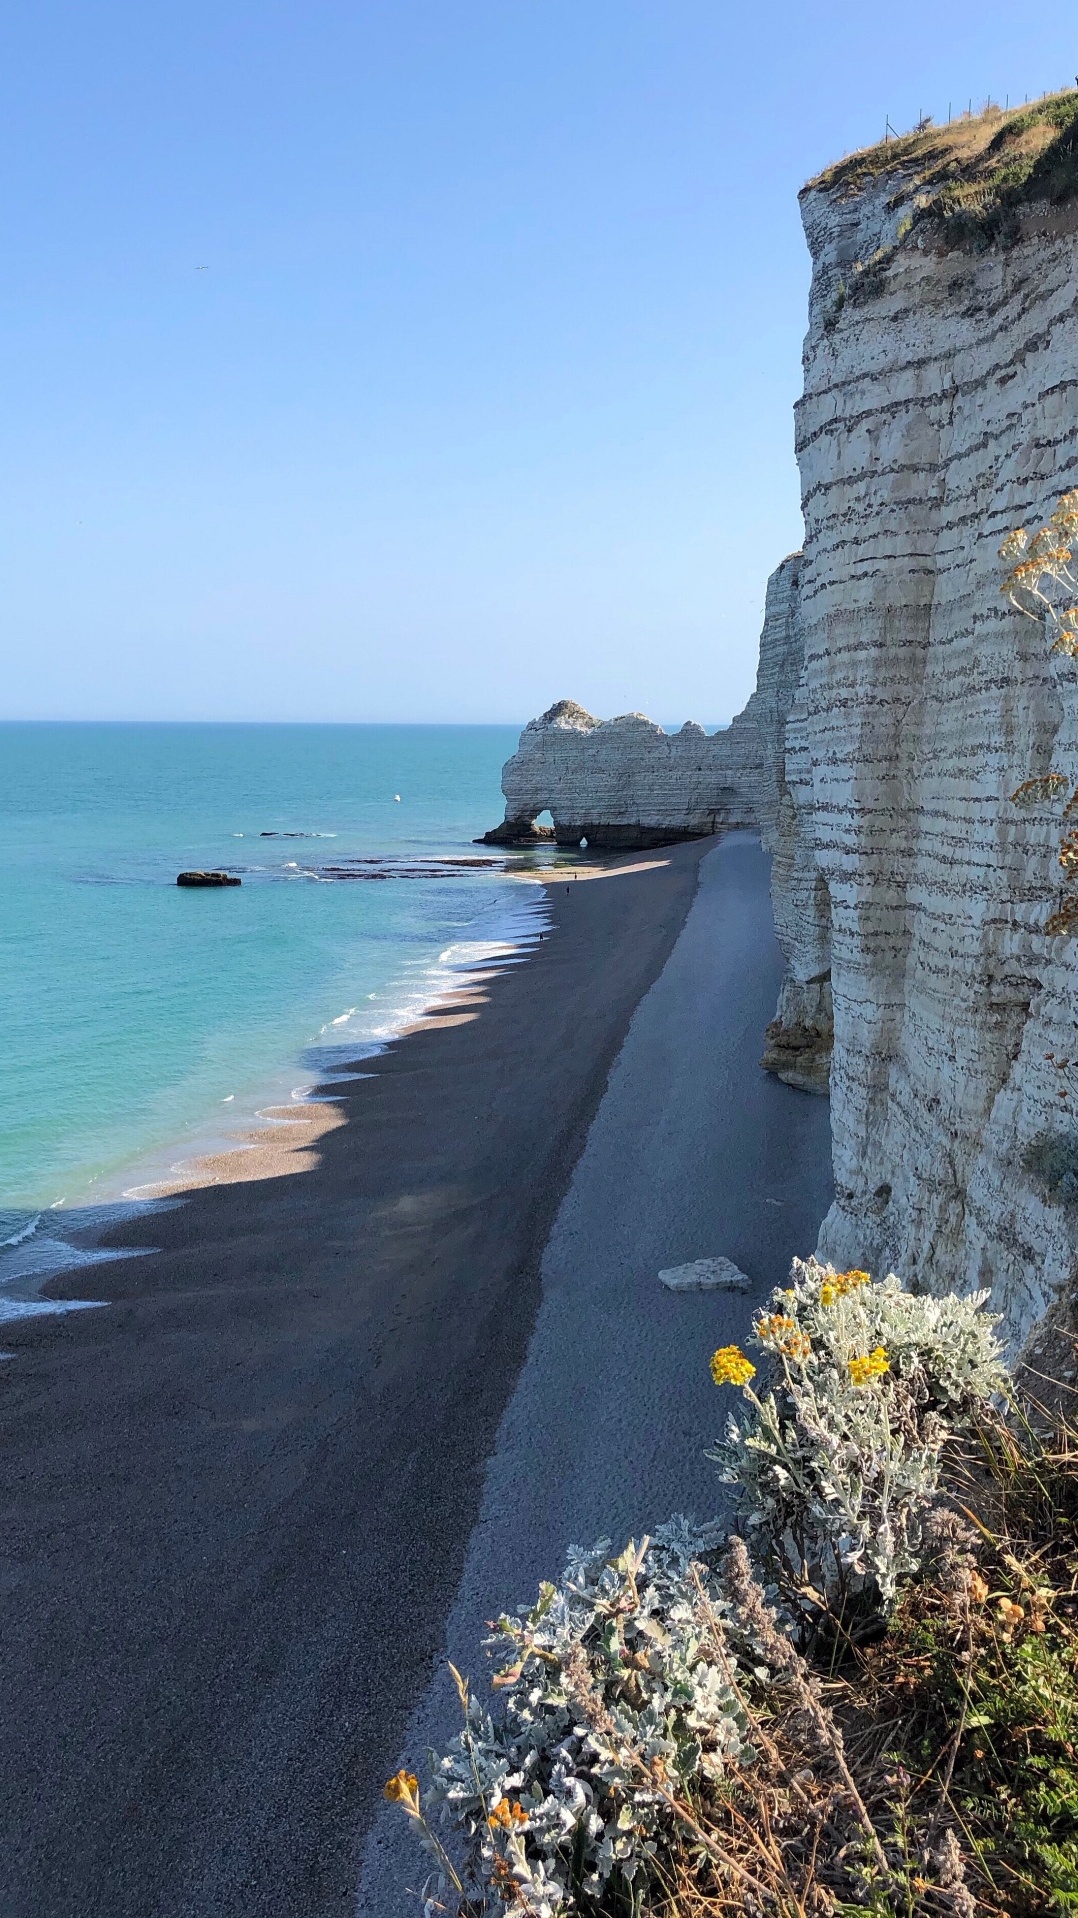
(625, 782)
(799, 1038)
(900, 701)
(940, 408)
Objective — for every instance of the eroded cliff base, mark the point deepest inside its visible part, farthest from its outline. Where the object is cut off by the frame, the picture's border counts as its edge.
(597, 836)
(801, 1036)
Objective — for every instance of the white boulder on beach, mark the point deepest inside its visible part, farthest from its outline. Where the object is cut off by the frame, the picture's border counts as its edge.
(705, 1275)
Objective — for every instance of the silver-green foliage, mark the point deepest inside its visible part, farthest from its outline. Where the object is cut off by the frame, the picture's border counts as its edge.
(627, 1691)
(624, 1684)
(839, 1457)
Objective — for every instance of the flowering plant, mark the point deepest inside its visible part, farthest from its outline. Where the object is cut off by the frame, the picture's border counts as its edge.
(839, 1459)
(1042, 583)
(659, 1730)
(625, 1684)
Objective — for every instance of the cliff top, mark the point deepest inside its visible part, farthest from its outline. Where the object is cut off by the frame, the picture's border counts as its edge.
(566, 712)
(972, 175)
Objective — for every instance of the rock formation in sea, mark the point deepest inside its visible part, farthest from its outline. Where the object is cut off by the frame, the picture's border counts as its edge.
(625, 783)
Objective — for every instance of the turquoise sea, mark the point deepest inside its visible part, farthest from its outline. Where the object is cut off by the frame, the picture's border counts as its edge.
(143, 1022)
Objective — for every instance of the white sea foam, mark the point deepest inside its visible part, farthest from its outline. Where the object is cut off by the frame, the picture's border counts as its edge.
(37, 1308)
(27, 1260)
(40, 1247)
(505, 936)
(28, 1230)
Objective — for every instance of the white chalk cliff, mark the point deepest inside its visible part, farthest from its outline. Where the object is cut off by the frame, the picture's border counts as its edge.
(900, 702)
(940, 409)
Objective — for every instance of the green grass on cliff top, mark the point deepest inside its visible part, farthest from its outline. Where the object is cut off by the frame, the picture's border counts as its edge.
(973, 176)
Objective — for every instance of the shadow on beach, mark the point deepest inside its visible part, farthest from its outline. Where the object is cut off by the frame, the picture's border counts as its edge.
(240, 1497)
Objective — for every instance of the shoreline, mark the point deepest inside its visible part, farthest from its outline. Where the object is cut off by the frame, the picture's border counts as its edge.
(263, 1154)
(242, 1494)
(254, 1144)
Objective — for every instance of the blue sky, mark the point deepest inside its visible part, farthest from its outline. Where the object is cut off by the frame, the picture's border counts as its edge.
(483, 398)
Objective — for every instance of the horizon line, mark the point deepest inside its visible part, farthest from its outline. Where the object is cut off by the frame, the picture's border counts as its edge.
(443, 724)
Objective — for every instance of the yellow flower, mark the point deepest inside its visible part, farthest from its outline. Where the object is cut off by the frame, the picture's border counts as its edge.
(837, 1286)
(870, 1366)
(402, 1789)
(777, 1326)
(507, 1815)
(786, 1334)
(849, 1281)
(797, 1346)
(729, 1366)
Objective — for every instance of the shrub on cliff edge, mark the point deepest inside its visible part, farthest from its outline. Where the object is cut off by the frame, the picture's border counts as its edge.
(665, 1748)
(839, 1459)
(1053, 1159)
(1042, 583)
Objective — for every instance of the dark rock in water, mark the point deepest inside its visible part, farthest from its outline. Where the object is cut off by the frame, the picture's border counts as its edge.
(207, 879)
(517, 832)
(599, 837)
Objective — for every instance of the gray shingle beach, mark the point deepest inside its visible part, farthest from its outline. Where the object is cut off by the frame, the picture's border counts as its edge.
(339, 1416)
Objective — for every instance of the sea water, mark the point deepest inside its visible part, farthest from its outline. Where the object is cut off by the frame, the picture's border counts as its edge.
(144, 1022)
